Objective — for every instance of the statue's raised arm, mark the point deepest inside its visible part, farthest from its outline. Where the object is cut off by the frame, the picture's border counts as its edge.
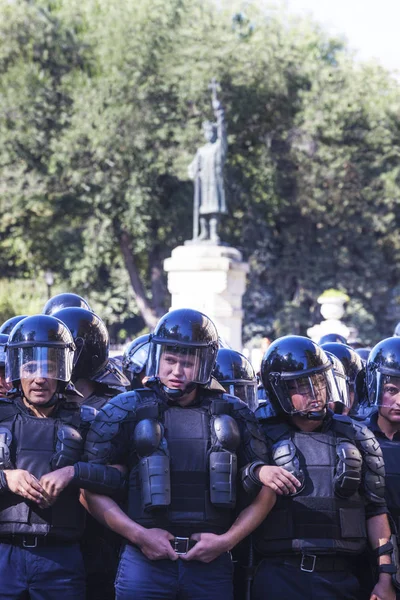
(206, 170)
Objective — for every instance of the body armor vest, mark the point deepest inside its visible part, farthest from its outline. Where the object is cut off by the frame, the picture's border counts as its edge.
(391, 455)
(327, 514)
(40, 445)
(185, 479)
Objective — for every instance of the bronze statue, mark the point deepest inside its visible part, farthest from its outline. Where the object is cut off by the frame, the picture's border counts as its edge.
(206, 170)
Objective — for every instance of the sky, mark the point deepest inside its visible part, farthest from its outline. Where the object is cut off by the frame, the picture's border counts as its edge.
(371, 27)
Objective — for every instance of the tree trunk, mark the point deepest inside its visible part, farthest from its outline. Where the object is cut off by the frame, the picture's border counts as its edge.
(125, 244)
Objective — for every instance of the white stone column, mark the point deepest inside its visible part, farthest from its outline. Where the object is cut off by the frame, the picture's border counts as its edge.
(211, 279)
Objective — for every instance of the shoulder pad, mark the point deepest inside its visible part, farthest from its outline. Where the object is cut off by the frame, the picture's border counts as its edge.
(264, 411)
(235, 402)
(6, 400)
(88, 413)
(118, 408)
(342, 419)
(276, 431)
(343, 425)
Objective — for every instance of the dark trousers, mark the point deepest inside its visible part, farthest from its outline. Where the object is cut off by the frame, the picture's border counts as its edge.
(43, 573)
(139, 578)
(275, 580)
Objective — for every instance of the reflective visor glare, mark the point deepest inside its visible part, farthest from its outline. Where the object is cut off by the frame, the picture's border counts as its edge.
(138, 360)
(388, 390)
(2, 355)
(342, 389)
(46, 362)
(181, 364)
(310, 393)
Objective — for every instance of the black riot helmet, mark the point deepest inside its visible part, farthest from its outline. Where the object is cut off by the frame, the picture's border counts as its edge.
(383, 366)
(189, 338)
(40, 346)
(343, 402)
(134, 360)
(236, 374)
(3, 342)
(329, 338)
(65, 300)
(354, 369)
(298, 377)
(9, 325)
(91, 341)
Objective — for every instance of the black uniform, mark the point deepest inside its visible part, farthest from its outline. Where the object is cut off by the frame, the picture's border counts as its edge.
(309, 539)
(183, 461)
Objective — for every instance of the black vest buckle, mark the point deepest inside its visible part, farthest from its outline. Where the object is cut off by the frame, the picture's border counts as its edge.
(308, 563)
(29, 541)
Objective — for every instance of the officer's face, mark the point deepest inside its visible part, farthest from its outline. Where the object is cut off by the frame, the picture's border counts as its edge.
(4, 386)
(37, 388)
(308, 393)
(390, 400)
(176, 370)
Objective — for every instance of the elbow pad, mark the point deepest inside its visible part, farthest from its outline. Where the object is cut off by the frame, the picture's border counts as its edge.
(99, 479)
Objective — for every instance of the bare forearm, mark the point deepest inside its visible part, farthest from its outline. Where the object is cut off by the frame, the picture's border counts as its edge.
(250, 518)
(108, 513)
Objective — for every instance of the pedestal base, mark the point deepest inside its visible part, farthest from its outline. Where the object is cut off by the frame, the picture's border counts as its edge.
(211, 279)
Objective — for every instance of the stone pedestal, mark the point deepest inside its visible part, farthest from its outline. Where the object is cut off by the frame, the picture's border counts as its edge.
(211, 279)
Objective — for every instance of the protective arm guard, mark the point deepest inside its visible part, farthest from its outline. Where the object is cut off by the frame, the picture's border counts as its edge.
(154, 467)
(250, 481)
(348, 474)
(393, 569)
(284, 454)
(373, 464)
(99, 479)
(107, 441)
(225, 439)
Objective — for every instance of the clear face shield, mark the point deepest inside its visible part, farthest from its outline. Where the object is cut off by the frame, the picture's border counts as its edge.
(245, 390)
(345, 399)
(306, 394)
(138, 359)
(39, 362)
(387, 390)
(3, 355)
(178, 365)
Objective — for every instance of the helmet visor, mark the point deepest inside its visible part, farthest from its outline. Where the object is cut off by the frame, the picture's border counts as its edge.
(343, 390)
(387, 390)
(246, 391)
(2, 355)
(305, 394)
(137, 361)
(178, 365)
(47, 362)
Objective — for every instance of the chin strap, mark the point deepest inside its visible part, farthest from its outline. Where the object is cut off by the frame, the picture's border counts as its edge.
(170, 394)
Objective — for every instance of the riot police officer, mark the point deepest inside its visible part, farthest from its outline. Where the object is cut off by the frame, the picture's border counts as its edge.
(328, 471)
(4, 385)
(64, 300)
(134, 361)
(355, 374)
(8, 325)
(383, 383)
(236, 375)
(41, 437)
(183, 441)
(93, 375)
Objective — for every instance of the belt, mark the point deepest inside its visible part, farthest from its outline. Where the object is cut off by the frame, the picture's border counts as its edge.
(32, 541)
(316, 562)
(182, 545)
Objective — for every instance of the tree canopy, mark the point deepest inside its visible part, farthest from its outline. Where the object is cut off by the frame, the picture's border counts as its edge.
(101, 107)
